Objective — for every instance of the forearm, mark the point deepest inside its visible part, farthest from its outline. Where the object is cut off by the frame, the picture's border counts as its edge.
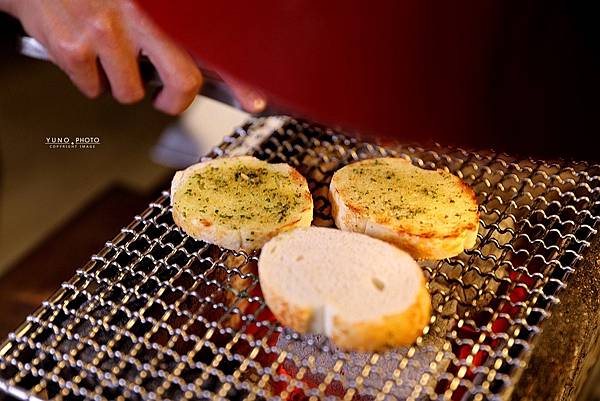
(7, 6)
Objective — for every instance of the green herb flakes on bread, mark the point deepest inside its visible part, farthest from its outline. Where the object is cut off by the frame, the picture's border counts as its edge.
(240, 202)
(431, 214)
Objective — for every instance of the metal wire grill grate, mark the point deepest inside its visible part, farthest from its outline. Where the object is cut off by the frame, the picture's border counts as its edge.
(157, 315)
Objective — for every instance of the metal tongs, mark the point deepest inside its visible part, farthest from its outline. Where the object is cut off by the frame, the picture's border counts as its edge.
(214, 87)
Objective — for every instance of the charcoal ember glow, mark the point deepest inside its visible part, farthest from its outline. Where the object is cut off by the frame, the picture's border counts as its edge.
(350, 366)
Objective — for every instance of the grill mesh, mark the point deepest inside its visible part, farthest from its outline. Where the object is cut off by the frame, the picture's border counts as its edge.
(157, 315)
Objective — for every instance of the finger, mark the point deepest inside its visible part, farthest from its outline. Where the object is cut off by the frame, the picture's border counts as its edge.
(180, 76)
(251, 100)
(178, 72)
(69, 51)
(181, 82)
(80, 64)
(119, 60)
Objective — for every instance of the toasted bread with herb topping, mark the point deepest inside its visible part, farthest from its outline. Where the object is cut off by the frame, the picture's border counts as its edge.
(431, 214)
(240, 202)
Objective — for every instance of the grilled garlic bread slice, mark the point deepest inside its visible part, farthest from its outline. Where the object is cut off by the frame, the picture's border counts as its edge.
(363, 293)
(240, 202)
(431, 214)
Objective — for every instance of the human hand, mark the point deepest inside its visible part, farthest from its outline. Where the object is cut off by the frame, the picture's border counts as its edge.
(83, 35)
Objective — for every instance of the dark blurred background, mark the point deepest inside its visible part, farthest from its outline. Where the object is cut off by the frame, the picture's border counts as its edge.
(513, 75)
(40, 188)
(544, 82)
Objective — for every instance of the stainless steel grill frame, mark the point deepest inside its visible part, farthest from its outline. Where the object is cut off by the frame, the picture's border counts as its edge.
(157, 315)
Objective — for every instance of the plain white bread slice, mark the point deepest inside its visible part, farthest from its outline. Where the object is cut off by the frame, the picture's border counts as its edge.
(240, 202)
(365, 294)
(431, 214)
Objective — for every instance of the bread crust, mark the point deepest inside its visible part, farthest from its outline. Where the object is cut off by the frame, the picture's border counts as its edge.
(388, 332)
(293, 316)
(422, 242)
(370, 336)
(247, 235)
(318, 315)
